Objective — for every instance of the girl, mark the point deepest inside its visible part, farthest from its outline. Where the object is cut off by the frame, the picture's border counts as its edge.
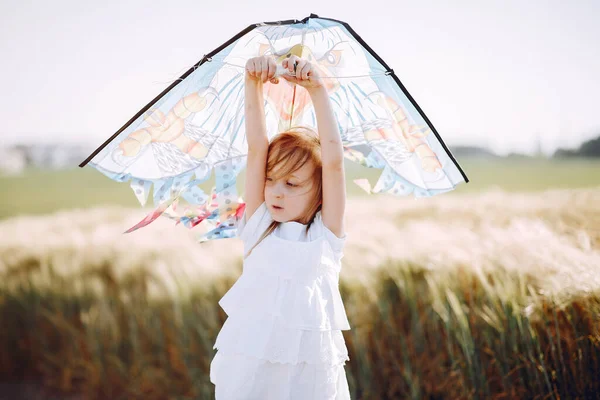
(282, 338)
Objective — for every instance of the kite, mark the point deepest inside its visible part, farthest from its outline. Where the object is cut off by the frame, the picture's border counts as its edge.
(196, 126)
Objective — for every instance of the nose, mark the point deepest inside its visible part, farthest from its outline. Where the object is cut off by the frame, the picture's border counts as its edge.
(278, 190)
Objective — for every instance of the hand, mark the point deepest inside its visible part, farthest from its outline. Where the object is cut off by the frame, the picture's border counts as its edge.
(262, 69)
(306, 75)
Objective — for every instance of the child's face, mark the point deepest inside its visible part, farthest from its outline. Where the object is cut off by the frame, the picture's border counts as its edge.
(288, 199)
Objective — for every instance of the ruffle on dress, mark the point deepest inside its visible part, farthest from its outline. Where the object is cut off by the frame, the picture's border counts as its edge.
(241, 377)
(309, 301)
(269, 338)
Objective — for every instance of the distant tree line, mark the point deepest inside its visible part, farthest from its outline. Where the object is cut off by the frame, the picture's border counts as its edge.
(591, 148)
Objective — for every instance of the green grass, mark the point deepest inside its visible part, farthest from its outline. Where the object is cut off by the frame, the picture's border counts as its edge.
(44, 191)
(531, 175)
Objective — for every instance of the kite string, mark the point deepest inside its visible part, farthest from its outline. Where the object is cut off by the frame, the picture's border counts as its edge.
(325, 77)
(322, 77)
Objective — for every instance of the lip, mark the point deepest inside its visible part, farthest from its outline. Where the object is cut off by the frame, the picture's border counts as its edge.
(276, 208)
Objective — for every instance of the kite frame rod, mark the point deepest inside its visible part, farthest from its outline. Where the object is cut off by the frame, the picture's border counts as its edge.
(208, 57)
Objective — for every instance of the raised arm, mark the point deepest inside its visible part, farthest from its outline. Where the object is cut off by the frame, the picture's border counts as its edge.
(258, 70)
(332, 151)
(332, 155)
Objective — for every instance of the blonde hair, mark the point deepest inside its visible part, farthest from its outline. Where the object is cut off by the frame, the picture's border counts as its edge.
(289, 151)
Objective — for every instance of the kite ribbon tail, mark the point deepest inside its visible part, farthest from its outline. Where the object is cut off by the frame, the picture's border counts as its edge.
(152, 216)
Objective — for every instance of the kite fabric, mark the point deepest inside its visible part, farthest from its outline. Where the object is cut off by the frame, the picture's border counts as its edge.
(196, 126)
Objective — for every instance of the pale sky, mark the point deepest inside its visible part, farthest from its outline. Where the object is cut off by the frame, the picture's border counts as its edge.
(491, 73)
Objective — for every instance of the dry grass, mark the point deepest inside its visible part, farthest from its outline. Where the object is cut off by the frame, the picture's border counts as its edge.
(491, 295)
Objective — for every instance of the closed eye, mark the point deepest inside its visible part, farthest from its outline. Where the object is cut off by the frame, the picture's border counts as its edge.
(287, 183)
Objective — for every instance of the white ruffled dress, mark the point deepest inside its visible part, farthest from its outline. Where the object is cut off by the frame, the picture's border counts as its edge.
(282, 338)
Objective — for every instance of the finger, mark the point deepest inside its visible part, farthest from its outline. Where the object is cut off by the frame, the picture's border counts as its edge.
(291, 61)
(264, 70)
(305, 70)
(251, 68)
(301, 64)
(257, 69)
(289, 78)
(272, 69)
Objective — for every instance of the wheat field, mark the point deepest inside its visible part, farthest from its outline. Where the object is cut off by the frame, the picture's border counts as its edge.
(491, 293)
